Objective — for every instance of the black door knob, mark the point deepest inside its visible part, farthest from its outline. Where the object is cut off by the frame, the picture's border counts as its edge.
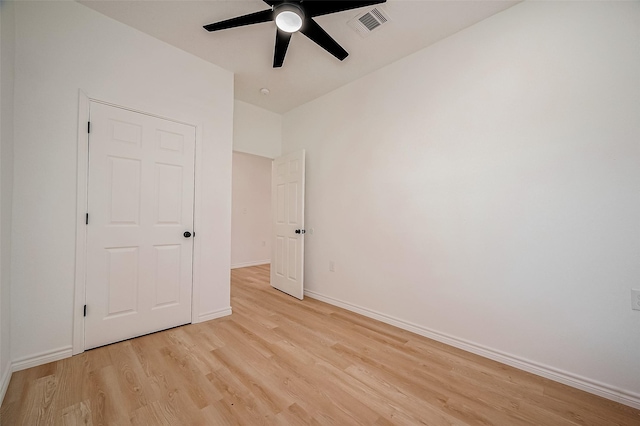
(300, 231)
(187, 234)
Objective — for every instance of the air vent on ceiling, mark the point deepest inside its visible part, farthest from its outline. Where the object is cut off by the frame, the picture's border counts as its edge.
(369, 21)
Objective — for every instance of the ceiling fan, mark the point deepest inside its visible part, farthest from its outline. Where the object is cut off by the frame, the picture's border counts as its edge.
(292, 16)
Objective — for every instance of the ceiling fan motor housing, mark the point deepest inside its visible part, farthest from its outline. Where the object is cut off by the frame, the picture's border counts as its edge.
(289, 17)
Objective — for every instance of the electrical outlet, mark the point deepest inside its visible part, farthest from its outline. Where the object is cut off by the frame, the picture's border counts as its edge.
(635, 299)
(332, 266)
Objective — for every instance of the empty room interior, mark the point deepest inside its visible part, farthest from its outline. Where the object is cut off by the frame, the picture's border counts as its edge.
(291, 212)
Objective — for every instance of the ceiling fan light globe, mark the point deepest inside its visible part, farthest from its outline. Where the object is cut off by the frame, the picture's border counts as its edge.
(288, 20)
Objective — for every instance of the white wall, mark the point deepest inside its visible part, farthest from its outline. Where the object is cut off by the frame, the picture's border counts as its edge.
(7, 45)
(256, 130)
(484, 191)
(62, 47)
(257, 138)
(250, 210)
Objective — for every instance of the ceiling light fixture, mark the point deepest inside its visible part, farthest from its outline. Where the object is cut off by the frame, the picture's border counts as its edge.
(289, 17)
(265, 91)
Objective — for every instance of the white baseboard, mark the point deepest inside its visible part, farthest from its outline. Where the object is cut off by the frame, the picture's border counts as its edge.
(247, 264)
(208, 316)
(41, 358)
(597, 388)
(4, 382)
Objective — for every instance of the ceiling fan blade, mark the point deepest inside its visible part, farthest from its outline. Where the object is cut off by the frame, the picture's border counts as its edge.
(253, 18)
(321, 7)
(315, 32)
(282, 43)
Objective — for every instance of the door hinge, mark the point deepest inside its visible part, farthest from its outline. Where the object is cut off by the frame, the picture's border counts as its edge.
(85, 310)
(88, 127)
(86, 219)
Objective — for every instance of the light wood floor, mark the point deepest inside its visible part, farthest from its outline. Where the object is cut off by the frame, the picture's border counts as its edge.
(277, 360)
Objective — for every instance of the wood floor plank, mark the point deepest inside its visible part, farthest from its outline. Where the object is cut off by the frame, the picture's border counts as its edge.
(40, 409)
(76, 415)
(219, 414)
(281, 361)
(111, 403)
(73, 387)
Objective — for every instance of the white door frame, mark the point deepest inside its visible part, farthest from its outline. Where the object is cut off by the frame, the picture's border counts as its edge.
(81, 210)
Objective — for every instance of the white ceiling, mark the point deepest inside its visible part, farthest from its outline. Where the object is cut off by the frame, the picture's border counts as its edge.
(308, 71)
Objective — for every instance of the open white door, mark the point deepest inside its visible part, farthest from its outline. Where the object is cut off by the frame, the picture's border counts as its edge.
(287, 201)
(139, 225)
